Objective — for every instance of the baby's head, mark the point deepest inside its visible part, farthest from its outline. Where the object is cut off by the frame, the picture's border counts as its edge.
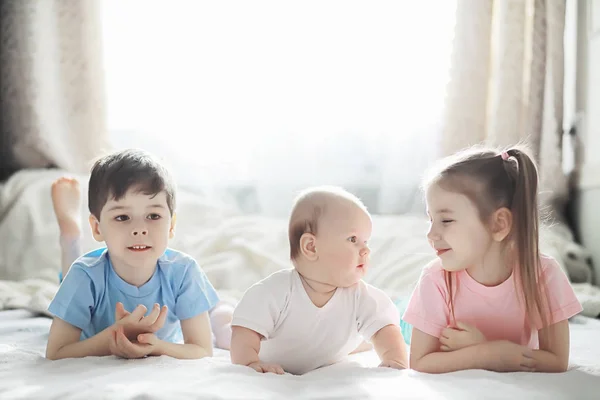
(328, 232)
(131, 199)
(480, 197)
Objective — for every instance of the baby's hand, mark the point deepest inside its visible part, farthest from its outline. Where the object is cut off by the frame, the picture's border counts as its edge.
(463, 336)
(392, 364)
(264, 368)
(135, 323)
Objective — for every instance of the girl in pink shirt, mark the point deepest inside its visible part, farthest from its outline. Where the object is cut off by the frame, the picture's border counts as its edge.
(489, 300)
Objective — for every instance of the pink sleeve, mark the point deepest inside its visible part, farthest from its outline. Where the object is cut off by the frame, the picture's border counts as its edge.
(561, 298)
(427, 309)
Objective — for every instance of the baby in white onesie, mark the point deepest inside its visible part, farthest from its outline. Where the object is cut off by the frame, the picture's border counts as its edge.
(315, 314)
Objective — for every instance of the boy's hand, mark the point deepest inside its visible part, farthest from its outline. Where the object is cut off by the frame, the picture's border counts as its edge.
(152, 340)
(135, 323)
(259, 366)
(462, 336)
(121, 346)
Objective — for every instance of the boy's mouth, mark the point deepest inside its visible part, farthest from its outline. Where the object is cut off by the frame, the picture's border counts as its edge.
(139, 247)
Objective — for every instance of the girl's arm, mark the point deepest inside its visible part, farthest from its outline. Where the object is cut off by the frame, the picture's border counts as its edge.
(553, 355)
(501, 356)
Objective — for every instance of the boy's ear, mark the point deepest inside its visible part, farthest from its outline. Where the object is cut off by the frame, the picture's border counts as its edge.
(308, 246)
(501, 224)
(172, 228)
(95, 225)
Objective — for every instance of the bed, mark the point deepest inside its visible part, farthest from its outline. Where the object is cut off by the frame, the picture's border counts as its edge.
(236, 250)
(26, 374)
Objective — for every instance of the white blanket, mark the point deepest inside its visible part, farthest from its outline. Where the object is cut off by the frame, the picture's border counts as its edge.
(26, 374)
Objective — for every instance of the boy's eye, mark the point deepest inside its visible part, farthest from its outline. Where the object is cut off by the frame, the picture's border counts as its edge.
(154, 216)
(353, 239)
(121, 218)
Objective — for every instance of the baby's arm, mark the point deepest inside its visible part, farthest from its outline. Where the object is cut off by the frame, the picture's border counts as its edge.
(501, 356)
(389, 345)
(196, 336)
(245, 346)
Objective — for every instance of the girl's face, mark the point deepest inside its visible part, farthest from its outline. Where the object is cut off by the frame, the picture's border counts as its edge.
(456, 232)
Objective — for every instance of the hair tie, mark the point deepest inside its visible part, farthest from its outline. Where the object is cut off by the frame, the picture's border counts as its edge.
(504, 155)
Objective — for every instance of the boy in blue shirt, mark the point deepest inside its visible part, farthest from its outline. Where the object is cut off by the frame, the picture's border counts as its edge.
(132, 201)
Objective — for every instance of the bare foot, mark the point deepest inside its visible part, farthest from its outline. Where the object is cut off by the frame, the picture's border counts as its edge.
(66, 200)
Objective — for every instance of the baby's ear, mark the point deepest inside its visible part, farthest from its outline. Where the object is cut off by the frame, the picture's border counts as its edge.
(308, 246)
(95, 225)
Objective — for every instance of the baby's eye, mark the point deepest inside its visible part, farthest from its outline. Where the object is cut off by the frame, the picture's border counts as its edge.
(352, 239)
(121, 218)
(154, 216)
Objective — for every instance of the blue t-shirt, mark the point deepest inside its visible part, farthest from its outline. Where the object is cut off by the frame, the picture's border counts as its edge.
(91, 289)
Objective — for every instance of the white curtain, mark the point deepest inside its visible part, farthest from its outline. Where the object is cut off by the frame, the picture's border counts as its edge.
(262, 98)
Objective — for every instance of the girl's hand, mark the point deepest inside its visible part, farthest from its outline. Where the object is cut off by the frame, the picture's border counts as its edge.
(506, 356)
(463, 335)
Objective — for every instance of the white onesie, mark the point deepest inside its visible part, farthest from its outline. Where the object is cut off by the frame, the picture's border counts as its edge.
(300, 336)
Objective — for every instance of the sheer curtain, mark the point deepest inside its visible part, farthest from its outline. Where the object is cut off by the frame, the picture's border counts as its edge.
(263, 98)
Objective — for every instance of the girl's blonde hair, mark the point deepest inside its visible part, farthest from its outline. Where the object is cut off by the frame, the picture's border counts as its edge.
(493, 179)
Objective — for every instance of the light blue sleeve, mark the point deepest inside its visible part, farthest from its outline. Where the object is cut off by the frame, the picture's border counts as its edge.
(196, 294)
(74, 301)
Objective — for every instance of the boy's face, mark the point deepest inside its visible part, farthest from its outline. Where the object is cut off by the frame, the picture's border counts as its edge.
(341, 246)
(136, 228)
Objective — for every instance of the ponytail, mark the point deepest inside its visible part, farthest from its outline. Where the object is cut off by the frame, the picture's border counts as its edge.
(525, 232)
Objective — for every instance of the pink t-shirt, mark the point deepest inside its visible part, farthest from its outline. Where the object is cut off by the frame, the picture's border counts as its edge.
(496, 311)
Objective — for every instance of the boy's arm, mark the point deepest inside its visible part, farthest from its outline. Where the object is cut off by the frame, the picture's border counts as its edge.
(196, 336)
(553, 355)
(63, 342)
(389, 345)
(501, 356)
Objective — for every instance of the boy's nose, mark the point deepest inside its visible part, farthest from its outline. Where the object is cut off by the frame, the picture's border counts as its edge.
(139, 232)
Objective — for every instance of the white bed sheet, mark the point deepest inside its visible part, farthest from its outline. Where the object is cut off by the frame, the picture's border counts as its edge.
(26, 374)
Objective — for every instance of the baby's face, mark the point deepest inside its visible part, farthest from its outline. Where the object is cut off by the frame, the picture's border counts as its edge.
(136, 228)
(342, 245)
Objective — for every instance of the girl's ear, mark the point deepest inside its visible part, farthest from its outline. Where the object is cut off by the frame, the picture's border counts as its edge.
(308, 246)
(501, 224)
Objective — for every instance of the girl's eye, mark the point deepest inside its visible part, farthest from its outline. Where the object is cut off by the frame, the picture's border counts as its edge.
(352, 239)
(121, 218)
(154, 216)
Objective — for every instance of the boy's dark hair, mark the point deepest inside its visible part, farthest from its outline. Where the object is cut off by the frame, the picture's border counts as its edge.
(113, 175)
